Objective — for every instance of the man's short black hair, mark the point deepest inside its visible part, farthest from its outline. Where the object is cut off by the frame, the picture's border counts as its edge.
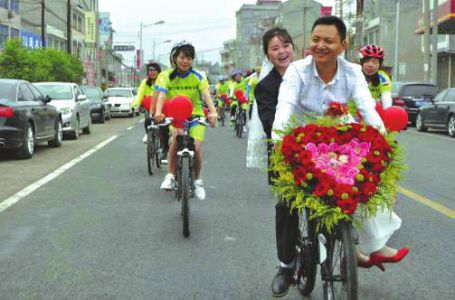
(332, 20)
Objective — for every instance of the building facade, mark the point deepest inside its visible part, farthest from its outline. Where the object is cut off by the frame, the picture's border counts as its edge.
(10, 20)
(252, 21)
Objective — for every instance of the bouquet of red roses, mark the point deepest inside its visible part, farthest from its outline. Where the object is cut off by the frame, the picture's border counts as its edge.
(333, 168)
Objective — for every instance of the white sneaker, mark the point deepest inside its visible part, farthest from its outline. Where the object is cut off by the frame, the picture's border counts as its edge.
(232, 118)
(199, 190)
(144, 139)
(244, 129)
(168, 183)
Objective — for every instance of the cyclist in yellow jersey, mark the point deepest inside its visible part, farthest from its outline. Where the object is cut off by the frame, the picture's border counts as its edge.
(251, 86)
(379, 83)
(147, 88)
(237, 84)
(222, 87)
(183, 80)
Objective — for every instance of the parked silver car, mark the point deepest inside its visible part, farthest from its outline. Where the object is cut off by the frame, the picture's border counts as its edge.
(72, 103)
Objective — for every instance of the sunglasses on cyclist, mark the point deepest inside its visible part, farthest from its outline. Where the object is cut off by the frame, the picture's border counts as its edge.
(152, 69)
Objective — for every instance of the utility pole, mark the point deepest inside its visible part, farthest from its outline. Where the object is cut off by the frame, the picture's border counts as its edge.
(304, 25)
(426, 40)
(43, 23)
(434, 44)
(68, 27)
(397, 40)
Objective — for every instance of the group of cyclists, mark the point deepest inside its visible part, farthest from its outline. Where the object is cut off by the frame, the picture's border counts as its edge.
(288, 88)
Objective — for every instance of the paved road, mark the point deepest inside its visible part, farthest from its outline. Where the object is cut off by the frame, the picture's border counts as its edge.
(103, 230)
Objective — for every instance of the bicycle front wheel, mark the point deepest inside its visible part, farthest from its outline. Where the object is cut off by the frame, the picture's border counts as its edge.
(340, 267)
(156, 152)
(186, 193)
(149, 153)
(307, 258)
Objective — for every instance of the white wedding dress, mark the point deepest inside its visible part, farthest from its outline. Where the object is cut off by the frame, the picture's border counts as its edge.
(256, 153)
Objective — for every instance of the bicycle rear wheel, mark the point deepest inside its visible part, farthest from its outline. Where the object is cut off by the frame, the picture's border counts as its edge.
(307, 258)
(340, 267)
(186, 193)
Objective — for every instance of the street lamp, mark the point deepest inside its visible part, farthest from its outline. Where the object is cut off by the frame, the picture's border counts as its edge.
(154, 45)
(140, 36)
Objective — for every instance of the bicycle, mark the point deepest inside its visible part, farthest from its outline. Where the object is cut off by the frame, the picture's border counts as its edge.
(184, 173)
(222, 112)
(239, 121)
(153, 147)
(335, 253)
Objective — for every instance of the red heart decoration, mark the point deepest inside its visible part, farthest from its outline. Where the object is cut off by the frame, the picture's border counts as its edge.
(341, 165)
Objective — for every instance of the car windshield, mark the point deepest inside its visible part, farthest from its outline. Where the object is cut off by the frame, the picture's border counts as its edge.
(7, 91)
(418, 90)
(56, 92)
(92, 93)
(119, 93)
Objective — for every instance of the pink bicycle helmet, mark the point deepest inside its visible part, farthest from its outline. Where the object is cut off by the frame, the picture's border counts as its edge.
(372, 51)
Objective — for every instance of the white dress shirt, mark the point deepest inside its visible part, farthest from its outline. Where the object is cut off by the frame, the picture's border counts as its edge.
(303, 91)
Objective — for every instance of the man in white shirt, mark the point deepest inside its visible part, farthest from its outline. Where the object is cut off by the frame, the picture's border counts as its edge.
(308, 86)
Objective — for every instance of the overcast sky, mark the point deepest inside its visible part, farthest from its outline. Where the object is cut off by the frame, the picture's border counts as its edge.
(205, 23)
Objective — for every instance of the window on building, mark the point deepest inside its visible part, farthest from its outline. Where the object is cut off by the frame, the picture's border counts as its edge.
(80, 26)
(74, 24)
(14, 33)
(15, 5)
(3, 34)
(4, 4)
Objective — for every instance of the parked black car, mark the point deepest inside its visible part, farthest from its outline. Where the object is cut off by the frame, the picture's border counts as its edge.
(26, 118)
(100, 109)
(439, 114)
(412, 95)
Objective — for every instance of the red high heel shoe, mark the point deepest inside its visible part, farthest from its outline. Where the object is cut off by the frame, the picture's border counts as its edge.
(369, 263)
(378, 258)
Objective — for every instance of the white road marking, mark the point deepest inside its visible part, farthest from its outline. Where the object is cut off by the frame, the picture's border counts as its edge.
(39, 183)
(141, 121)
(230, 238)
(130, 128)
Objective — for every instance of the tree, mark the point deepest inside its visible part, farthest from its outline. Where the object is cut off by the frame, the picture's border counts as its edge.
(39, 64)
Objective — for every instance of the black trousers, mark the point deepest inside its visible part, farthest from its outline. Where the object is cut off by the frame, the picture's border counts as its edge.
(286, 223)
(287, 230)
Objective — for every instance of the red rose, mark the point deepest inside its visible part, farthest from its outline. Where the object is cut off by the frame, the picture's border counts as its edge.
(369, 188)
(321, 189)
(348, 206)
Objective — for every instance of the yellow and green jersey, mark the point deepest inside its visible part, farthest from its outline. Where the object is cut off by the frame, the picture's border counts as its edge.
(251, 86)
(222, 88)
(237, 86)
(384, 85)
(191, 84)
(144, 90)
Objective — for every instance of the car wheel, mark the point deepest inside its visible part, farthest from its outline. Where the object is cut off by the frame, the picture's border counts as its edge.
(131, 115)
(419, 123)
(451, 125)
(88, 129)
(75, 133)
(102, 119)
(58, 137)
(28, 147)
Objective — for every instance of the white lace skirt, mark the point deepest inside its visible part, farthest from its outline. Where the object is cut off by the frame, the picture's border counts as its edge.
(376, 231)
